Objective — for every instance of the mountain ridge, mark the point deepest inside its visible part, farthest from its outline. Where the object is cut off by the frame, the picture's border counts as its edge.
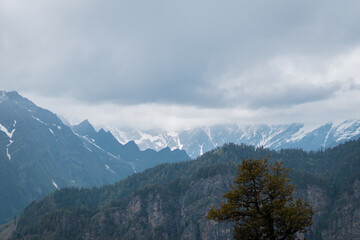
(198, 140)
(40, 154)
(139, 159)
(170, 201)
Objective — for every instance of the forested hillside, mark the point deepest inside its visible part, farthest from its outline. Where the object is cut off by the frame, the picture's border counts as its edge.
(170, 201)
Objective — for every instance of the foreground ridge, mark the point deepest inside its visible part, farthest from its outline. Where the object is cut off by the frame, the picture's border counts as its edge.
(170, 201)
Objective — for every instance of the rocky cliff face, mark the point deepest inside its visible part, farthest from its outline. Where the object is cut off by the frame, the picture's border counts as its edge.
(178, 211)
(170, 201)
(154, 214)
(343, 221)
(318, 198)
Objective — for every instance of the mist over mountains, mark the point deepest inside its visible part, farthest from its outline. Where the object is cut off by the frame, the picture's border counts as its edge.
(40, 154)
(199, 140)
(129, 120)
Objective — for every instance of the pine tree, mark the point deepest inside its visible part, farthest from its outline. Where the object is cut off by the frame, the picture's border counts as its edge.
(262, 205)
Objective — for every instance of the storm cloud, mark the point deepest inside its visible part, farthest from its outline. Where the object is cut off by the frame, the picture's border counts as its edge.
(247, 55)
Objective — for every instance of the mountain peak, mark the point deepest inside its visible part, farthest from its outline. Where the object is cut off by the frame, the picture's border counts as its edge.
(13, 95)
(15, 99)
(37, 145)
(3, 96)
(131, 146)
(85, 123)
(102, 131)
(84, 128)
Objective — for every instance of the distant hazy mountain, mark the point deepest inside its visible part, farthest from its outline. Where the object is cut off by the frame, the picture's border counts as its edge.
(130, 152)
(199, 140)
(39, 154)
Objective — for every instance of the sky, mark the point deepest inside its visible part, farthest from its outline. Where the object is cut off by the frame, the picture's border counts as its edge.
(180, 64)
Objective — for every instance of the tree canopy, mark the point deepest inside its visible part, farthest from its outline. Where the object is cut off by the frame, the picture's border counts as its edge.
(262, 204)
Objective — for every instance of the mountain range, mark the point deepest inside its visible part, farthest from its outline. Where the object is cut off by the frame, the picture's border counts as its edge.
(199, 140)
(129, 152)
(40, 154)
(170, 201)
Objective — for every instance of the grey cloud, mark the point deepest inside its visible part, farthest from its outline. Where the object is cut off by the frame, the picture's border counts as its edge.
(166, 51)
(293, 96)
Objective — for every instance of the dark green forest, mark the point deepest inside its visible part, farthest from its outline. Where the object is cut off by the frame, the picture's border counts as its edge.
(80, 213)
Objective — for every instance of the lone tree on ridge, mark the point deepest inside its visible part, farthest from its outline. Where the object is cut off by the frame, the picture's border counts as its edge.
(261, 203)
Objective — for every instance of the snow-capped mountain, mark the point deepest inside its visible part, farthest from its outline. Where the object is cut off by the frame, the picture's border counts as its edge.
(39, 154)
(129, 152)
(199, 140)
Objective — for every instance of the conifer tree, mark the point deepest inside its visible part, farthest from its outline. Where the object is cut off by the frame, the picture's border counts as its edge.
(261, 203)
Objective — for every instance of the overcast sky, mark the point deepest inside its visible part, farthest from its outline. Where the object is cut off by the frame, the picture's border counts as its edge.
(178, 64)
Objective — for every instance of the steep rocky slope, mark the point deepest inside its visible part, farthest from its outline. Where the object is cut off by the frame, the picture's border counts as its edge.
(170, 201)
(139, 160)
(39, 154)
(343, 222)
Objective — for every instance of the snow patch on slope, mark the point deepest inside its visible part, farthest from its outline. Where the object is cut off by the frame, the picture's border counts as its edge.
(109, 169)
(180, 146)
(112, 155)
(87, 147)
(11, 141)
(342, 127)
(51, 131)
(347, 130)
(7, 149)
(10, 135)
(207, 131)
(297, 136)
(55, 185)
(8, 154)
(38, 119)
(92, 142)
(328, 134)
(121, 136)
(4, 129)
